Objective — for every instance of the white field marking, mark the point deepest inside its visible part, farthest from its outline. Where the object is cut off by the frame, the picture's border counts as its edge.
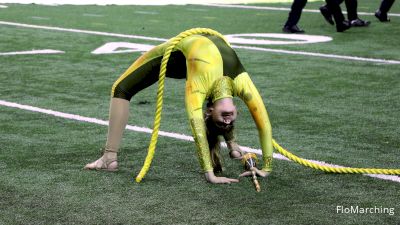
(114, 47)
(146, 12)
(82, 31)
(162, 133)
(40, 18)
(136, 2)
(92, 15)
(124, 47)
(225, 4)
(3, 6)
(282, 9)
(256, 39)
(33, 52)
(355, 58)
(196, 10)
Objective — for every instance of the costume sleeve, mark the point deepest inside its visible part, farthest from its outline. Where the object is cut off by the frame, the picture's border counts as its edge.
(245, 89)
(194, 102)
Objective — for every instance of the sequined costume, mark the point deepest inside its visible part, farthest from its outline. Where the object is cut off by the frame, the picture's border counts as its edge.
(212, 71)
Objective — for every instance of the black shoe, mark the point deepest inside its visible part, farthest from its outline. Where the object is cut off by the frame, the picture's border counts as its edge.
(382, 16)
(327, 14)
(293, 29)
(340, 27)
(359, 23)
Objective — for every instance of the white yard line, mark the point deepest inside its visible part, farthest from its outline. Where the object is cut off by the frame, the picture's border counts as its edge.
(161, 133)
(322, 55)
(33, 52)
(341, 57)
(283, 9)
(137, 2)
(82, 31)
(212, 3)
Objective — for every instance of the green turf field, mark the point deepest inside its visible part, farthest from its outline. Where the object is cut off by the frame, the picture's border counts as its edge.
(340, 107)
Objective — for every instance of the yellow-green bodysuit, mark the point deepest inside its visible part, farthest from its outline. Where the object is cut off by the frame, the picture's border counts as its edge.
(212, 71)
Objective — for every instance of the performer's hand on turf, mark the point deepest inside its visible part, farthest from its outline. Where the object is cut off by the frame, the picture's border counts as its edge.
(210, 177)
(260, 173)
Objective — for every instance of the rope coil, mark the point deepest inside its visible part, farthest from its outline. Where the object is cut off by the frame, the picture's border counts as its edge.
(157, 120)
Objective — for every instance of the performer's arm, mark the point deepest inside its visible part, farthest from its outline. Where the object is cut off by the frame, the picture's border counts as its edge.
(194, 102)
(246, 90)
(234, 149)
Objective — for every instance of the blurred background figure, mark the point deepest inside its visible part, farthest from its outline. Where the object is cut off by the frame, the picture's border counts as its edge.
(352, 16)
(294, 17)
(335, 11)
(384, 8)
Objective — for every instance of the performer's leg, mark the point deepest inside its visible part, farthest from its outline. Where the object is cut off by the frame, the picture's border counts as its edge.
(130, 82)
(118, 118)
(119, 113)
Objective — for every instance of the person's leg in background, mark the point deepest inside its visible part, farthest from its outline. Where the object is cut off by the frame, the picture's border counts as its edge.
(341, 23)
(384, 8)
(294, 17)
(352, 16)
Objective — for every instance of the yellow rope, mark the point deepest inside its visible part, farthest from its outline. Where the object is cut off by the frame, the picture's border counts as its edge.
(333, 169)
(163, 69)
(157, 120)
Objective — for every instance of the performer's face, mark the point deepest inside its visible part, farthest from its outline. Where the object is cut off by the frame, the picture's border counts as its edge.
(224, 113)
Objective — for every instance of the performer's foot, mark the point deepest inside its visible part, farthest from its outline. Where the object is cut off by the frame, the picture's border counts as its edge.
(102, 164)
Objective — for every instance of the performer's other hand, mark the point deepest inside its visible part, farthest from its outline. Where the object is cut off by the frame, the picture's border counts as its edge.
(210, 177)
(260, 173)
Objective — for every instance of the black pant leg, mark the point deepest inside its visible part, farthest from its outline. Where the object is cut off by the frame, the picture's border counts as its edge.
(351, 6)
(385, 6)
(336, 11)
(338, 2)
(295, 12)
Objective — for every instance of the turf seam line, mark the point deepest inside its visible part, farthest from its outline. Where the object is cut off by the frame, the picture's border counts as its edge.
(161, 133)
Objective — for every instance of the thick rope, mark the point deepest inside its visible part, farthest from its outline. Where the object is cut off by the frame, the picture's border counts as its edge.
(157, 120)
(333, 169)
(163, 70)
